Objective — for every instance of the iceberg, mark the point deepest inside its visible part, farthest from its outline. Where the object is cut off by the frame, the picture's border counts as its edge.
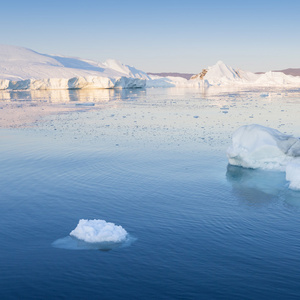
(99, 231)
(25, 69)
(258, 147)
(221, 74)
(255, 146)
(95, 235)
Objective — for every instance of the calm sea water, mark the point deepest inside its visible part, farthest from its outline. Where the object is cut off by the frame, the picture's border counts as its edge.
(154, 162)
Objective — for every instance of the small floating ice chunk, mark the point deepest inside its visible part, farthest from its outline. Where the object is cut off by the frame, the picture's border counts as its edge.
(85, 104)
(293, 175)
(264, 95)
(98, 231)
(256, 146)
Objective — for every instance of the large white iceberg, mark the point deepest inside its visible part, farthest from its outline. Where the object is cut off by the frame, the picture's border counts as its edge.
(221, 74)
(99, 231)
(25, 69)
(256, 146)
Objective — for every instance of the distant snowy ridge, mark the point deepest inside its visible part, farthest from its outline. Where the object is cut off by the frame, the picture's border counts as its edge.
(22, 68)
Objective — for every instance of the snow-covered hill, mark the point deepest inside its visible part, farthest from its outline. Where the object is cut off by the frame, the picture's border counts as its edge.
(22, 68)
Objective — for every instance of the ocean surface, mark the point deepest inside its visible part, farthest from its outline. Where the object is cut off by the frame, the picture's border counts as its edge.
(153, 161)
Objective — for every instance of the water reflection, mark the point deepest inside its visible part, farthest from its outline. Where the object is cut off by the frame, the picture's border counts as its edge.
(218, 94)
(64, 96)
(71, 243)
(259, 187)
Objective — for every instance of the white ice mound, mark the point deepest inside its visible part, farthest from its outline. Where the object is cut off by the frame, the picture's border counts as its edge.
(98, 231)
(256, 146)
(293, 175)
(221, 74)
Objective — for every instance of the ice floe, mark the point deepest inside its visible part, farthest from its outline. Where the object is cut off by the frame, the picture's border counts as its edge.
(255, 146)
(97, 231)
(95, 235)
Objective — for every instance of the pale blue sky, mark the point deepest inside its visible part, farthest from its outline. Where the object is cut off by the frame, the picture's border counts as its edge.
(156, 36)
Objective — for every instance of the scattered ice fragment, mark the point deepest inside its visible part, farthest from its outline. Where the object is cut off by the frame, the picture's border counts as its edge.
(98, 231)
(293, 175)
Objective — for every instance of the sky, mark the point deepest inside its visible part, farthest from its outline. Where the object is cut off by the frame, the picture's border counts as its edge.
(160, 36)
